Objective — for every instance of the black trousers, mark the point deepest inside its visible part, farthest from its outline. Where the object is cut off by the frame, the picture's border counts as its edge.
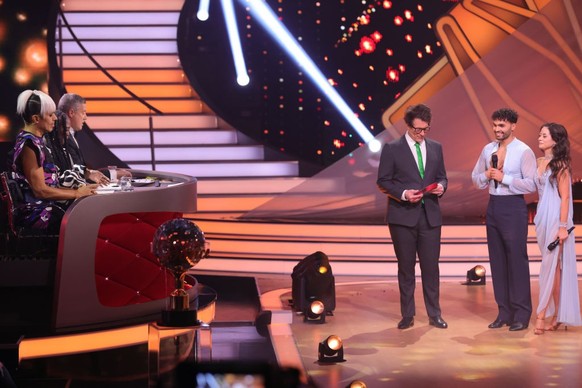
(425, 241)
(507, 242)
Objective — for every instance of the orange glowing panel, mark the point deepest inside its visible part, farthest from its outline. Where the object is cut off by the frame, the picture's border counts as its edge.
(31, 348)
(142, 90)
(129, 106)
(124, 76)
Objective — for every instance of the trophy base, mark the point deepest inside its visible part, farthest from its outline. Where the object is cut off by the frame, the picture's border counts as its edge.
(176, 318)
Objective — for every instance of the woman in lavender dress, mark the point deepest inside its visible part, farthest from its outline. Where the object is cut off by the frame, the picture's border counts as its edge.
(558, 281)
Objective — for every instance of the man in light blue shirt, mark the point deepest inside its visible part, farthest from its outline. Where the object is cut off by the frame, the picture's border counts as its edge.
(507, 168)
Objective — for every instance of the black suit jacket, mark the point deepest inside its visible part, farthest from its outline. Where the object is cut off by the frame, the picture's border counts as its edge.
(398, 171)
(75, 151)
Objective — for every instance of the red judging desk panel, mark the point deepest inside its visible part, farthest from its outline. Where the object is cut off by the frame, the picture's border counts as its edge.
(105, 272)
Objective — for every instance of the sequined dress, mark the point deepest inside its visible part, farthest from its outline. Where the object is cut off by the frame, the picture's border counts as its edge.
(34, 212)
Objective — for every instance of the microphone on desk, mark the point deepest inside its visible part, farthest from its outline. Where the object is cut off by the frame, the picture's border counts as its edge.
(494, 161)
(555, 243)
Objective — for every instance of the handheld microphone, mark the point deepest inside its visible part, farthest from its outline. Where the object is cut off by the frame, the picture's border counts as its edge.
(494, 161)
(555, 243)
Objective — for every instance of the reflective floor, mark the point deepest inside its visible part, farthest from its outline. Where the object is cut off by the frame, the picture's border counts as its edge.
(466, 354)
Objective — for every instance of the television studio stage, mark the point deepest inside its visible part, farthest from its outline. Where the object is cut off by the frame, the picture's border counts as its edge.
(87, 323)
(91, 314)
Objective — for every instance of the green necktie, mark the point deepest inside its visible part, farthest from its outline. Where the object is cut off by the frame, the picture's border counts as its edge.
(420, 163)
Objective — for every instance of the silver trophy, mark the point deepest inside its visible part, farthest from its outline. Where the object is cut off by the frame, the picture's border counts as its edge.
(179, 245)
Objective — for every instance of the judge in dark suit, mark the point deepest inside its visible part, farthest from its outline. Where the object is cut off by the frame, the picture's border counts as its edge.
(74, 113)
(66, 153)
(407, 166)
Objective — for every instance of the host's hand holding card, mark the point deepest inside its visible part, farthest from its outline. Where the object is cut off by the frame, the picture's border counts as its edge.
(433, 188)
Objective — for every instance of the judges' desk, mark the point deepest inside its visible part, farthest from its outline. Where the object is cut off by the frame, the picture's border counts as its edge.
(105, 272)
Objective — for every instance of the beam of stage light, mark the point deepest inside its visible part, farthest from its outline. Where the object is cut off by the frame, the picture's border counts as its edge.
(202, 13)
(242, 77)
(277, 30)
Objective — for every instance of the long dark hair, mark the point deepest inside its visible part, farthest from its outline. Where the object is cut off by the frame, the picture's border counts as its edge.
(57, 142)
(561, 160)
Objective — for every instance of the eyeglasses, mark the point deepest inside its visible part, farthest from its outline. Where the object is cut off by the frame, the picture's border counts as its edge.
(419, 130)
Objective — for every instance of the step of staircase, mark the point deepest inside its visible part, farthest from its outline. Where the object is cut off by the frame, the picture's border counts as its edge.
(268, 247)
(226, 168)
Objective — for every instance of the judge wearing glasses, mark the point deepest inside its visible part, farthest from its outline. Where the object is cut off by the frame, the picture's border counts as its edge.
(412, 174)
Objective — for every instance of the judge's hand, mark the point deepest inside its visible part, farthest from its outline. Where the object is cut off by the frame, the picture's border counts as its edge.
(86, 190)
(98, 177)
(122, 172)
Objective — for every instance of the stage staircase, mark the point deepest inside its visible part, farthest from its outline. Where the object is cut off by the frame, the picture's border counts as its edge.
(135, 42)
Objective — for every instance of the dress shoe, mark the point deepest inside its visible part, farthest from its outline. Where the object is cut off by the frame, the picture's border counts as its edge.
(437, 322)
(516, 326)
(406, 322)
(496, 324)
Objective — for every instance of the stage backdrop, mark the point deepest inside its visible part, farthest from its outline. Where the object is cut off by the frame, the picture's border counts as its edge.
(536, 70)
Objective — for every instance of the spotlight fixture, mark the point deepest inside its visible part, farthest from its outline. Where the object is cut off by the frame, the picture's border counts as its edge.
(331, 350)
(315, 312)
(313, 288)
(357, 384)
(475, 276)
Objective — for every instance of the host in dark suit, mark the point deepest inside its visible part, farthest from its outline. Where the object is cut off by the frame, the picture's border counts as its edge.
(407, 165)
